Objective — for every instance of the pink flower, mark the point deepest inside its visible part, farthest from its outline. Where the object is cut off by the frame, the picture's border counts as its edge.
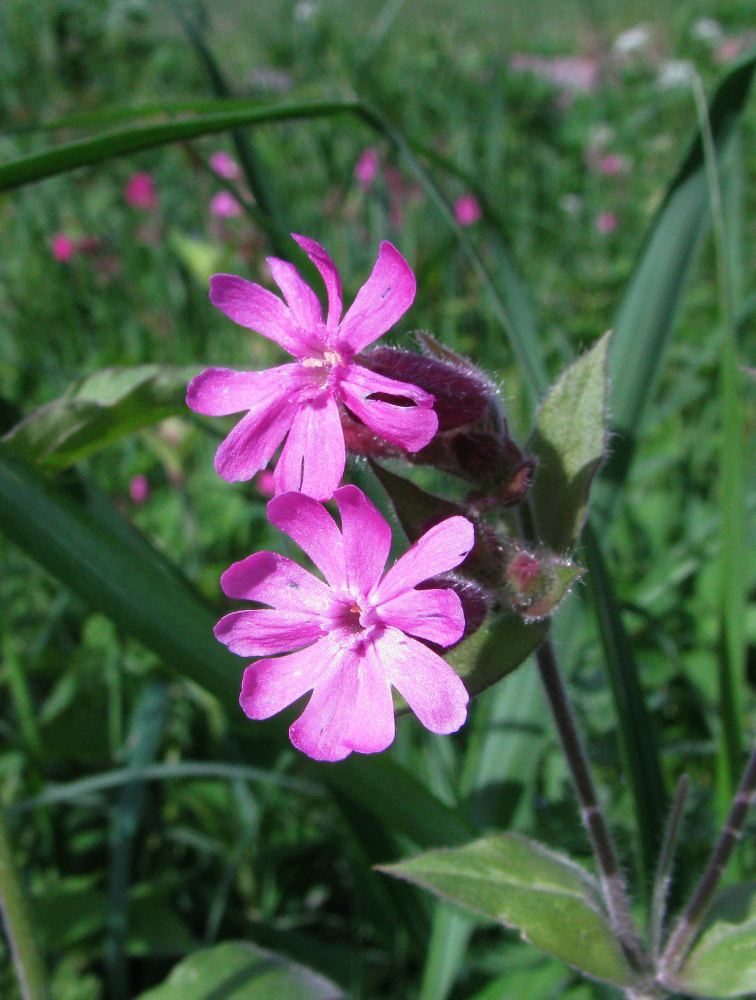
(366, 168)
(264, 483)
(225, 206)
(63, 247)
(606, 222)
(612, 164)
(140, 192)
(139, 489)
(352, 634)
(225, 166)
(467, 210)
(303, 399)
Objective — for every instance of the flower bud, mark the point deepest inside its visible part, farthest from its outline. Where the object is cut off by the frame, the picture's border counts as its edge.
(460, 397)
(535, 585)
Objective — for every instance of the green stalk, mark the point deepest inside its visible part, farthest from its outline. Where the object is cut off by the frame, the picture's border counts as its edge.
(27, 959)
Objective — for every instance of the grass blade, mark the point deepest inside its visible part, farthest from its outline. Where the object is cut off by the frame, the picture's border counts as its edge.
(637, 741)
(648, 309)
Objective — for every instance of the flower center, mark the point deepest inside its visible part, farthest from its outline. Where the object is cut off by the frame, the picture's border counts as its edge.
(329, 360)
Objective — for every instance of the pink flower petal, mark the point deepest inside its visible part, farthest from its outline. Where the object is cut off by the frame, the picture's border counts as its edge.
(330, 275)
(262, 632)
(217, 392)
(440, 549)
(271, 685)
(273, 579)
(302, 301)
(383, 299)
(372, 726)
(427, 683)
(310, 525)
(250, 445)
(409, 427)
(435, 615)
(258, 309)
(367, 539)
(321, 729)
(313, 458)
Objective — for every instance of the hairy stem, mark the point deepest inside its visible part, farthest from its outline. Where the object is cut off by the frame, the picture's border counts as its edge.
(610, 873)
(690, 922)
(18, 926)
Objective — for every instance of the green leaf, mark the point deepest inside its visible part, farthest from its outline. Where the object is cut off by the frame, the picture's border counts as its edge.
(97, 411)
(722, 963)
(551, 901)
(236, 970)
(569, 441)
(496, 649)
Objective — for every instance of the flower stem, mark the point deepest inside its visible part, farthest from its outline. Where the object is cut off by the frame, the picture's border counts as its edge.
(18, 926)
(610, 873)
(679, 943)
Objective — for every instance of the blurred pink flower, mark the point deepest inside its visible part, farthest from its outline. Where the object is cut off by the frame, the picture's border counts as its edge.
(264, 483)
(139, 489)
(140, 192)
(730, 49)
(355, 636)
(578, 74)
(225, 206)
(303, 399)
(366, 168)
(606, 222)
(467, 210)
(225, 166)
(63, 247)
(612, 164)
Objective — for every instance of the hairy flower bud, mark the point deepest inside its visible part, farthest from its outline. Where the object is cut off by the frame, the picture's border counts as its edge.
(535, 585)
(460, 398)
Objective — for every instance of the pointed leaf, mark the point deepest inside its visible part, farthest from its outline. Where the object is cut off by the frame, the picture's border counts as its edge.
(236, 970)
(722, 963)
(569, 441)
(551, 901)
(100, 409)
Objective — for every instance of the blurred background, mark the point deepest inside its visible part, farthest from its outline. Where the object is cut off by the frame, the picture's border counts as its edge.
(551, 132)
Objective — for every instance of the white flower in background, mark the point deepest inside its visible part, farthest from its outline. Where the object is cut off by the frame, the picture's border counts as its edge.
(675, 73)
(633, 41)
(707, 29)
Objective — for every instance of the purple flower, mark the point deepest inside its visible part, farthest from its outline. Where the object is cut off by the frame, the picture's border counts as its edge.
(224, 206)
(353, 634)
(63, 247)
(366, 168)
(140, 192)
(303, 399)
(225, 166)
(467, 209)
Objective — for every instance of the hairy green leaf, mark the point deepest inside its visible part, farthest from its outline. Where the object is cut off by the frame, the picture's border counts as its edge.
(569, 441)
(97, 411)
(722, 963)
(551, 901)
(237, 970)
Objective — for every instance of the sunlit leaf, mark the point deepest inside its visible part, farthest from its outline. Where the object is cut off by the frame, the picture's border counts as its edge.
(99, 410)
(236, 970)
(569, 441)
(551, 901)
(722, 963)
